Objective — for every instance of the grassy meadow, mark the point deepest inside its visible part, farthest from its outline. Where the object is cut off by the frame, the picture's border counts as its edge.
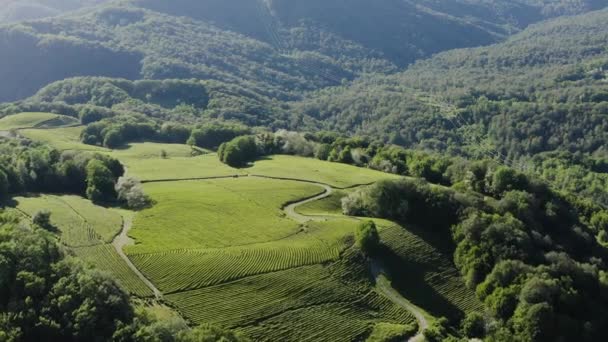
(35, 120)
(67, 138)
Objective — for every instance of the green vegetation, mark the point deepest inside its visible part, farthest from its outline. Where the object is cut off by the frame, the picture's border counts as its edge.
(216, 213)
(48, 295)
(79, 222)
(105, 259)
(63, 139)
(34, 120)
(315, 170)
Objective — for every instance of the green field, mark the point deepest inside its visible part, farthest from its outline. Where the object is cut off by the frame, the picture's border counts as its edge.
(104, 258)
(219, 246)
(216, 213)
(80, 222)
(87, 230)
(309, 169)
(178, 168)
(63, 139)
(35, 120)
(151, 150)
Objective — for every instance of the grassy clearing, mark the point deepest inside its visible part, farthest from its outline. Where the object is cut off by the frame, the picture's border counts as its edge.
(425, 275)
(334, 174)
(178, 168)
(80, 223)
(150, 150)
(61, 138)
(33, 120)
(216, 213)
(104, 258)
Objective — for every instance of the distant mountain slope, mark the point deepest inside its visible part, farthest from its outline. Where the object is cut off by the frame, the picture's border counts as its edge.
(17, 10)
(544, 89)
(279, 48)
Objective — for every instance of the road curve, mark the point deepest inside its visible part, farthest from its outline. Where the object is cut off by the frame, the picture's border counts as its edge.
(122, 240)
(382, 283)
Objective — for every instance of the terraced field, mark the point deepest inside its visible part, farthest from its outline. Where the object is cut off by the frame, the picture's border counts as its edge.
(223, 250)
(87, 230)
(172, 271)
(425, 275)
(216, 213)
(80, 222)
(35, 120)
(105, 259)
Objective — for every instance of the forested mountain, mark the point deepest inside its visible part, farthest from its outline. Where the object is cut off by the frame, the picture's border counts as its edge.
(286, 48)
(17, 10)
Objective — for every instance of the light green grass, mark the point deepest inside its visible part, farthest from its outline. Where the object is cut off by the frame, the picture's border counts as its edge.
(150, 150)
(61, 138)
(33, 120)
(334, 174)
(80, 222)
(216, 213)
(178, 168)
(104, 258)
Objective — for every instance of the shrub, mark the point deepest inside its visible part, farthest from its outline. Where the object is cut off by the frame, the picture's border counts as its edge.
(129, 191)
(367, 237)
(42, 219)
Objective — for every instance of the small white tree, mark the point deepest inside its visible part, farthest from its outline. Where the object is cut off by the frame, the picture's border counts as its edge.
(130, 191)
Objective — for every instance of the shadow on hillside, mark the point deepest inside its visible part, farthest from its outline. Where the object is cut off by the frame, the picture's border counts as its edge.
(408, 277)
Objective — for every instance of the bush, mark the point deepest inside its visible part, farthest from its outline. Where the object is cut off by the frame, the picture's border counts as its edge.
(367, 237)
(238, 152)
(130, 192)
(100, 182)
(42, 219)
(474, 326)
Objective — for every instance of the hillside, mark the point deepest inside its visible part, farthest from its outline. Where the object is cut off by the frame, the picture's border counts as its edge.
(19, 10)
(283, 49)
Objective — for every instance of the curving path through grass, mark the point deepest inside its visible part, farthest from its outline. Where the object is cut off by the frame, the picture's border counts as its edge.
(122, 240)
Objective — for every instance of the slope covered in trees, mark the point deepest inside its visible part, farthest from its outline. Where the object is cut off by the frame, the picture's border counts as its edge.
(17, 10)
(279, 46)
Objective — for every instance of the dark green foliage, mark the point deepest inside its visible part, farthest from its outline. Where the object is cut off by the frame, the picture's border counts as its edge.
(4, 186)
(42, 219)
(239, 151)
(37, 168)
(100, 182)
(474, 325)
(46, 297)
(367, 238)
(213, 135)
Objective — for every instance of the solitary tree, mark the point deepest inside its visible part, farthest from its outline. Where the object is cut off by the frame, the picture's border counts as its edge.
(100, 182)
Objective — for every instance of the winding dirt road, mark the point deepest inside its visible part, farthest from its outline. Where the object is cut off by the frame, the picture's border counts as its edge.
(122, 240)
